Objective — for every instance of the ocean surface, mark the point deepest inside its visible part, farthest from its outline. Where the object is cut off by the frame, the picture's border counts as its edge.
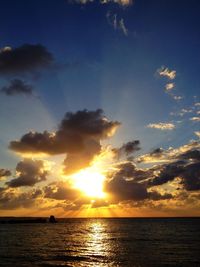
(102, 242)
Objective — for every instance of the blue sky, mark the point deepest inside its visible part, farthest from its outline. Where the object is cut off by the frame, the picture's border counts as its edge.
(108, 56)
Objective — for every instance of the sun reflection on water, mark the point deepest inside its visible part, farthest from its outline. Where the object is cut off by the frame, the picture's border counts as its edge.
(96, 245)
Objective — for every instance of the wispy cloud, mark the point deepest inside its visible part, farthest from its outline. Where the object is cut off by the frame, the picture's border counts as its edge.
(170, 154)
(162, 126)
(117, 23)
(182, 112)
(123, 27)
(197, 133)
(4, 173)
(169, 86)
(195, 119)
(119, 2)
(165, 72)
(17, 87)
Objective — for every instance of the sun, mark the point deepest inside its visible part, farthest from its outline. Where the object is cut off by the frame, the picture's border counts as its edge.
(90, 182)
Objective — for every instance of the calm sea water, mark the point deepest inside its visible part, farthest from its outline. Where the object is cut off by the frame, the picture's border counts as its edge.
(102, 242)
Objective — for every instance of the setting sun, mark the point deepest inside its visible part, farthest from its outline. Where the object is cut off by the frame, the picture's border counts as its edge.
(90, 182)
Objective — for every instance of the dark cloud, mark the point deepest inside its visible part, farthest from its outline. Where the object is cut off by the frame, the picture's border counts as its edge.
(157, 151)
(127, 149)
(154, 195)
(167, 172)
(121, 189)
(29, 172)
(191, 154)
(191, 177)
(10, 199)
(185, 152)
(130, 183)
(129, 170)
(60, 191)
(78, 135)
(189, 174)
(4, 173)
(182, 163)
(17, 87)
(155, 155)
(25, 58)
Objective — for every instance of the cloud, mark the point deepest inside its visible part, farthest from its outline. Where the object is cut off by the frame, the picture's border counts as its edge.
(117, 23)
(78, 135)
(184, 111)
(155, 196)
(127, 149)
(99, 203)
(197, 133)
(119, 2)
(157, 155)
(177, 97)
(29, 172)
(182, 163)
(128, 183)
(171, 154)
(162, 126)
(113, 19)
(169, 86)
(189, 174)
(167, 172)
(60, 191)
(121, 189)
(190, 155)
(11, 198)
(123, 27)
(195, 119)
(129, 170)
(165, 72)
(25, 58)
(17, 87)
(125, 182)
(4, 173)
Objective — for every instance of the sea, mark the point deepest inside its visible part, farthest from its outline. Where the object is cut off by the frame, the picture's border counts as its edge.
(135, 242)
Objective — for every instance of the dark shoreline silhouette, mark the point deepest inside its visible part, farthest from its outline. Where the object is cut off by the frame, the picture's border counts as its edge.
(52, 219)
(18, 220)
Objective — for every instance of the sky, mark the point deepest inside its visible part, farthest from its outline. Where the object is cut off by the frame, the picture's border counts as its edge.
(99, 108)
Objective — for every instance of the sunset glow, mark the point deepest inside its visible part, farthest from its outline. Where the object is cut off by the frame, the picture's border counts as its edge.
(99, 108)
